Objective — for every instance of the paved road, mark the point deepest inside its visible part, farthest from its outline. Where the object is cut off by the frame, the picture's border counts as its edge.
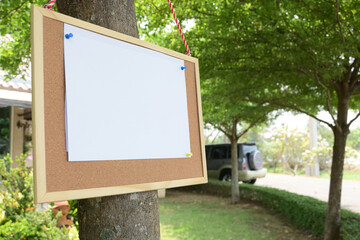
(314, 187)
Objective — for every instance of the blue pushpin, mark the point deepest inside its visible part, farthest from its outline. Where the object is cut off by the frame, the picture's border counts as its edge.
(182, 67)
(68, 35)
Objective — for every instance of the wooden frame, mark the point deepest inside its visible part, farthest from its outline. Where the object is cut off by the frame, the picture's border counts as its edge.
(55, 178)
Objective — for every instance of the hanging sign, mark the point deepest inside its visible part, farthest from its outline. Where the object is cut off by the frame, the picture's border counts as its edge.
(112, 114)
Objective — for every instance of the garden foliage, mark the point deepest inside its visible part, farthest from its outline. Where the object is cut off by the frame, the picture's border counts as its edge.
(20, 220)
(17, 193)
(33, 225)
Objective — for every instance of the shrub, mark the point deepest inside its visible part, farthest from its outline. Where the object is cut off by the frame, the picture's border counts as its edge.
(307, 212)
(17, 197)
(20, 220)
(33, 225)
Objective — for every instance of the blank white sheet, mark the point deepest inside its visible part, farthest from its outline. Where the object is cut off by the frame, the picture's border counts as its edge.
(122, 101)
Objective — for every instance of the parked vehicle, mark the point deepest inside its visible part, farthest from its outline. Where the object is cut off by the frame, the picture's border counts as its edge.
(250, 160)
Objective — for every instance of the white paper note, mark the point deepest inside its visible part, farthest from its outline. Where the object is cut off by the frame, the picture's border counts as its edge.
(123, 101)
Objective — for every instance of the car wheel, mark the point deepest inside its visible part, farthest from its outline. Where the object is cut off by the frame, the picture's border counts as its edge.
(252, 181)
(225, 176)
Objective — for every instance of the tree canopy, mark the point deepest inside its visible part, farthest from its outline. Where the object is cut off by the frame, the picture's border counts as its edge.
(296, 50)
(15, 36)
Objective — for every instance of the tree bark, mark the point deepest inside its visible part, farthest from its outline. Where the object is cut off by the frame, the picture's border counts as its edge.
(117, 15)
(341, 131)
(129, 216)
(333, 214)
(235, 193)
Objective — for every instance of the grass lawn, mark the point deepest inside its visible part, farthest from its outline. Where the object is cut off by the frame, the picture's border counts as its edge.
(348, 175)
(354, 176)
(190, 216)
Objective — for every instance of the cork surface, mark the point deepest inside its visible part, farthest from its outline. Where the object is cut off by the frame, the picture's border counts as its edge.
(62, 175)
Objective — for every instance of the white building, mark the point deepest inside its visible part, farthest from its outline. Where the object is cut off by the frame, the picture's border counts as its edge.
(16, 96)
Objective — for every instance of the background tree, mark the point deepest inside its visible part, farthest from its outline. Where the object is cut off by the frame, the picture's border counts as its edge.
(15, 36)
(352, 141)
(325, 132)
(225, 111)
(323, 153)
(273, 152)
(295, 143)
(313, 65)
(222, 91)
(286, 145)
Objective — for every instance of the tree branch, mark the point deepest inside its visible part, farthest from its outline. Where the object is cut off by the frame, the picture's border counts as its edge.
(217, 134)
(349, 67)
(328, 96)
(204, 13)
(354, 119)
(250, 126)
(355, 83)
(353, 79)
(338, 21)
(304, 72)
(13, 10)
(355, 95)
(301, 111)
(223, 130)
(156, 7)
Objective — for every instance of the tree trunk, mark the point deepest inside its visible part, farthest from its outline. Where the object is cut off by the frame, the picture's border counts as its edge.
(295, 170)
(235, 193)
(129, 216)
(117, 15)
(333, 213)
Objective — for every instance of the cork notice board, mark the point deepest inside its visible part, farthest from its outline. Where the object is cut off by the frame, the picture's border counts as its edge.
(55, 177)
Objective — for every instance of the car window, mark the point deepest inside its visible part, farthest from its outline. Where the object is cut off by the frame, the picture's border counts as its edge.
(219, 152)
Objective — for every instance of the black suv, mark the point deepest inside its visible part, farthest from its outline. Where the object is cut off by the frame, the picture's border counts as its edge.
(218, 161)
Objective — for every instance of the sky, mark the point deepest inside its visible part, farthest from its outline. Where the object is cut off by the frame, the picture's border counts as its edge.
(301, 121)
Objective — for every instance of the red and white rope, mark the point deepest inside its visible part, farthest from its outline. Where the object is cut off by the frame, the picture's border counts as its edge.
(178, 25)
(49, 5)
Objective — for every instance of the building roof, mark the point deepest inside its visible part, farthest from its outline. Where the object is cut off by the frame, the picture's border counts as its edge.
(16, 86)
(15, 93)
